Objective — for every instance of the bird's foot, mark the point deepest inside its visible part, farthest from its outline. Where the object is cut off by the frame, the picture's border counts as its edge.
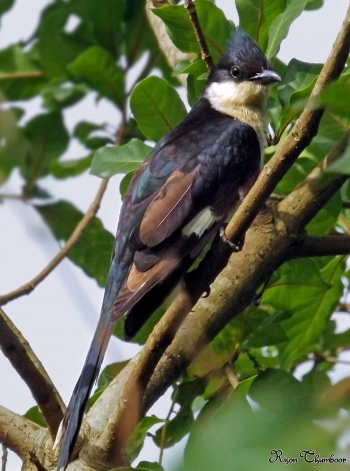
(234, 247)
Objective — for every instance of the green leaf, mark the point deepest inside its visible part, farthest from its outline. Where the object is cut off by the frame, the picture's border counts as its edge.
(333, 96)
(156, 107)
(216, 28)
(137, 438)
(256, 17)
(109, 373)
(57, 48)
(93, 251)
(342, 164)
(325, 220)
(297, 77)
(124, 184)
(58, 97)
(311, 295)
(70, 168)
(109, 161)
(97, 68)
(20, 77)
(6, 5)
(174, 430)
(314, 4)
(84, 129)
(48, 139)
(149, 466)
(105, 22)
(35, 416)
(280, 26)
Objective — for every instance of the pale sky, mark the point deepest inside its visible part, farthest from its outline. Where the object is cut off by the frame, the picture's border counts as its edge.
(59, 317)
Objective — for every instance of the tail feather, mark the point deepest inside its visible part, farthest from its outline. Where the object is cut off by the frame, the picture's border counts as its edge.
(73, 417)
(70, 425)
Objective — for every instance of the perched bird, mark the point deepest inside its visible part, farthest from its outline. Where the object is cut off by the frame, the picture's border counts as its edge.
(177, 200)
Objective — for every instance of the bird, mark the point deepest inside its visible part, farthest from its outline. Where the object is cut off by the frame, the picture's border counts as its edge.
(178, 199)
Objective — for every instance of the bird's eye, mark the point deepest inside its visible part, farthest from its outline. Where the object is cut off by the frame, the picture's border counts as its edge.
(235, 71)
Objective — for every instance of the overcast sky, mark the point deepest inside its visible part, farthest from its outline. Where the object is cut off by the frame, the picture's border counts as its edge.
(59, 317)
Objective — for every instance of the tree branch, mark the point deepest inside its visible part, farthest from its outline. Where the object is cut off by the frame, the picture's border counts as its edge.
(205, 54)
(335, 244)
(18, 433)
(16, 348)
(71, 242)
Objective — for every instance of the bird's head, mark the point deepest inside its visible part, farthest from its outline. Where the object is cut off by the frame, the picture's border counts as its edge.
(242, 75)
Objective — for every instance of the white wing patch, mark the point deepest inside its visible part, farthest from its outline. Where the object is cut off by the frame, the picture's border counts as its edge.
(200, 223)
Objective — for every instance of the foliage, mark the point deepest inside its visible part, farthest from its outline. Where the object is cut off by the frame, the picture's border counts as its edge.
(263, 345)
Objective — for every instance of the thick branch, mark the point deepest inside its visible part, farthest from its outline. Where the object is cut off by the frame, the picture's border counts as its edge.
(71, 242)
(18, 433)
(16, 348)
(293, 211)
(189, 5)
(336, 244)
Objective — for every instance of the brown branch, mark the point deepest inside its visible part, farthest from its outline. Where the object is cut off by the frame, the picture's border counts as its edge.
(18, 433)
(205, 54)
(335, 244)
(71, 242)
(16, 348)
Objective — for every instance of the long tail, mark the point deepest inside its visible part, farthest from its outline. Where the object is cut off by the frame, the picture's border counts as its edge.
(70, 425)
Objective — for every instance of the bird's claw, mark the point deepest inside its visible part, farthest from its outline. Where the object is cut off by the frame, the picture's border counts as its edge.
(234, 247)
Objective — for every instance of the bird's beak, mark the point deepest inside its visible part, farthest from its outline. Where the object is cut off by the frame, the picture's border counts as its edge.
(266, 77)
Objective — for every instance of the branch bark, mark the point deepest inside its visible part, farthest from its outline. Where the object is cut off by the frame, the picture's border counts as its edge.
(16, 348)
(19, 434)
(71, 242)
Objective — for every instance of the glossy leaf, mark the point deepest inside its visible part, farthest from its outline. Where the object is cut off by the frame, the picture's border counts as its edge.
(109, 161)
(280, 26)
(342, 165)
(70, 168)
(311, 295)
(156, 107)
(93, 251)
(6, 5)
(47, 138)
(58, 97)
(298, 76)
(97, 68)
(20, 77)
(137, 438)
(55, 46)
(333, 96)
(325, 220)
(256, 17)
(175, 429)
(216, 28)
(35, 416)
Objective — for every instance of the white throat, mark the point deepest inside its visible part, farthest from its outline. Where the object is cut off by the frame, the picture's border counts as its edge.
(245, 101)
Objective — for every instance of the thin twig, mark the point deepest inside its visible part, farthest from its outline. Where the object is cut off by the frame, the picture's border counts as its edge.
(188, 4)
(4, 458)
(165, 426)
(71, 242)
(17, 349)
(22, 75)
